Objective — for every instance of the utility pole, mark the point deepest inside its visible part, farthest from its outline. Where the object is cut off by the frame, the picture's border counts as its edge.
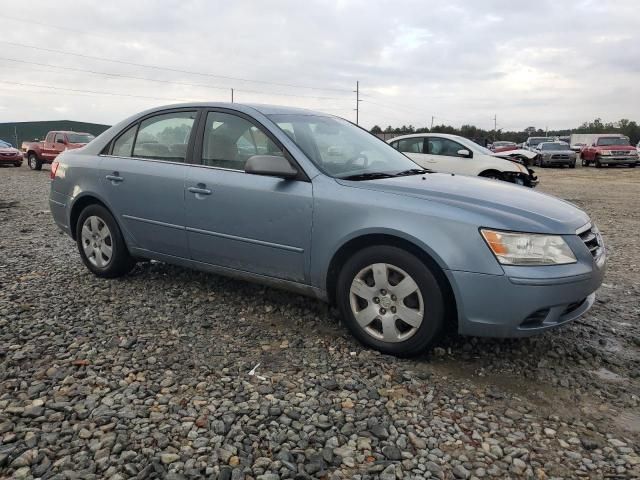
(495, 123)
(432, 117)
(15, 135)
(357, 92)
(232, 95)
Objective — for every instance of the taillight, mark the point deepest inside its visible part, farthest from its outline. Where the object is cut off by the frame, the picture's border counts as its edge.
(54, 169)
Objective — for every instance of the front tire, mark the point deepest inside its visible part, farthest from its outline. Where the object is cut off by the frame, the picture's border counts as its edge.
(492, 174)
(390, 300)
(598, 163)
(100, 243)
(17, 164)
(585, 163)
(572, 165)
(34, 162)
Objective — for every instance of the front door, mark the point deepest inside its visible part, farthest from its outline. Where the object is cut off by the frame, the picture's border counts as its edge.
(442, 153)
(246, 222)
(143, 179)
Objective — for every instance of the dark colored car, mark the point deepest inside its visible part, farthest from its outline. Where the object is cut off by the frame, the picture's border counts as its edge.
(9, 155)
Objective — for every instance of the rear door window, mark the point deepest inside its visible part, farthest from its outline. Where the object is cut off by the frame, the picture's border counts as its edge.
(164, 137)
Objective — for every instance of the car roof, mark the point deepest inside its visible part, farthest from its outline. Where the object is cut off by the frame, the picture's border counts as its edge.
(265, 109)
(430, 134)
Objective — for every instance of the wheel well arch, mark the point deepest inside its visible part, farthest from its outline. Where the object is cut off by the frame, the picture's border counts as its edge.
(29, 152)
(369, 240)
(488, 171)
(79, 205)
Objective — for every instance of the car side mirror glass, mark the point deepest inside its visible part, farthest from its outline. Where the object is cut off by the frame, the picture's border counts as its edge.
(464, 153)
(270, 166)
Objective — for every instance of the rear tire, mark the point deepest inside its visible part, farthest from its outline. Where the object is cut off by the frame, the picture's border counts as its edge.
(379, 288)
(34, 162)
(100, 243)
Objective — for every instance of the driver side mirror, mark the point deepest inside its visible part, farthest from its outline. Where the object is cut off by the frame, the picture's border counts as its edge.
(464, 153)
(270, 166)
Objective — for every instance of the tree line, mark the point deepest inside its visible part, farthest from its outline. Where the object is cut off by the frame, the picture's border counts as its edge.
(624, 126)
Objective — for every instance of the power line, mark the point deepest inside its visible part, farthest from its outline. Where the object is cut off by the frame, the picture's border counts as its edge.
(169, 69)
(51, 87)
(186, 84)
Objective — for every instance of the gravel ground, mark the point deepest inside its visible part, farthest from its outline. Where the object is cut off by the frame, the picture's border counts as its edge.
(152, 375)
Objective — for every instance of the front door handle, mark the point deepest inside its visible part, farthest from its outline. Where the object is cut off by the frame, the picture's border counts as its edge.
(200, 189)
(114, 178)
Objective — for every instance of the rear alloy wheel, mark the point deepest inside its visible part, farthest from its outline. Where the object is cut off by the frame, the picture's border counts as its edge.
(100, 243)
(34, 162)
(390, 300)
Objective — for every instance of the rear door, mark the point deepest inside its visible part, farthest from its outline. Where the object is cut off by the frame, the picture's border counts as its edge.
(246, 222)
(143, 180)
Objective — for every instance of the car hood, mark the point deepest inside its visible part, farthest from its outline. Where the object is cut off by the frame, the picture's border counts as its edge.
(499, 204)
(615, 147)
(518, 151)
(566, 151)
(9, 150)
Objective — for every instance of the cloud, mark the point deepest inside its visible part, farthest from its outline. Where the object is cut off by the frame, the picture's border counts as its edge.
(534, 63)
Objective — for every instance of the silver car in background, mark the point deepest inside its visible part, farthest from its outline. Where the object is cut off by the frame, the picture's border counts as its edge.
(312, 203)
(555, 154)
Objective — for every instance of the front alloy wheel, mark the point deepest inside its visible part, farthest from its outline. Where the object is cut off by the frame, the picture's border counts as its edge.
(390, 300)
(386, 302)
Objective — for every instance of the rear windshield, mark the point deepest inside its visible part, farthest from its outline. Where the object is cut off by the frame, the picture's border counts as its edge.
(80, 137)
(613, 141)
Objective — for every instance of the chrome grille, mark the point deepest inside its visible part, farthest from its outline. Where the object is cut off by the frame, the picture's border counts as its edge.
(560, 156)
(620, 152)
(590, 235)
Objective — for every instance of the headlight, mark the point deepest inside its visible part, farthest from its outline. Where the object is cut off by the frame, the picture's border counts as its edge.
(512, 248)
(633, 153)
(605, 152)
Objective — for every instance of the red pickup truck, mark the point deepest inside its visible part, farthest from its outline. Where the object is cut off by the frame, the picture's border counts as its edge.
(56, 142)
(609, 150)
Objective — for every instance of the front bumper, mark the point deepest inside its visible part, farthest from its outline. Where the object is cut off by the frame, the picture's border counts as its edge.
(618, 160)
(558, 161)
(513, 306)
(10, 160)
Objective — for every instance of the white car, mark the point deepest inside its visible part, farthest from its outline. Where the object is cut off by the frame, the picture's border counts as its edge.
(453, 154)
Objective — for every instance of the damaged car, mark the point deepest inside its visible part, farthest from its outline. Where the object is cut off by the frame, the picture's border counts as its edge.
(454, 154)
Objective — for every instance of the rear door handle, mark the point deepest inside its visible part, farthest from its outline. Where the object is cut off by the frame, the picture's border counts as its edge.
(200, 189)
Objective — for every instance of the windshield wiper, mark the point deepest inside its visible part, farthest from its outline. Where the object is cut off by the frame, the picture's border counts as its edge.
(368, 176)
(413, 171)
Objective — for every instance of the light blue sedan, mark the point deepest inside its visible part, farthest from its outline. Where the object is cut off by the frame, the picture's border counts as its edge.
(312, 203)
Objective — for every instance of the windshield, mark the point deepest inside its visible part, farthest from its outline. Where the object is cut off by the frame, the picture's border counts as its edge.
(554, 146)
(341, 149)
(4, 144)
(80, 137)
(536, 140)
(613, 141)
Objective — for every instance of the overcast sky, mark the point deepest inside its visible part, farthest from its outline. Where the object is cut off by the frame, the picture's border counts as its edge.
(544, 63)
